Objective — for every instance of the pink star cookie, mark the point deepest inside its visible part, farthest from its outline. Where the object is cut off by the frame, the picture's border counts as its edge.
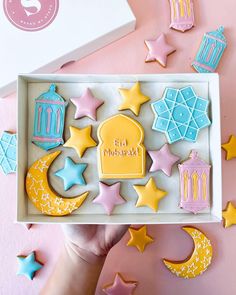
(159, 49)
(120, 286)
(163, 160)
(109, 196)
(86, 105)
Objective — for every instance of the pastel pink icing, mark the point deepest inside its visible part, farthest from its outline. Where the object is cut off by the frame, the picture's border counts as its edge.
(163, 160)
(159, 49)
(109, 196)
(182, 21)
(120, 287)
(86, 105)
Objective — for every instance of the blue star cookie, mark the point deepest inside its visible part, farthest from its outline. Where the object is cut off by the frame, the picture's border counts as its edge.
(28, 266)
(8, 152)
(72, 173)
(180, 114)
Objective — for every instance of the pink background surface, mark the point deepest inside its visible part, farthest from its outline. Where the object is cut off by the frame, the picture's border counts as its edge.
(127, 56)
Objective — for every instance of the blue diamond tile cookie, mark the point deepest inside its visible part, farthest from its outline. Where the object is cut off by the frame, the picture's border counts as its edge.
(8, 152)
(180, 114)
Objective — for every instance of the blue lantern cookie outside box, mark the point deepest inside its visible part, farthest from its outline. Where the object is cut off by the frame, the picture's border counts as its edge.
(210, 51)
(49, 117)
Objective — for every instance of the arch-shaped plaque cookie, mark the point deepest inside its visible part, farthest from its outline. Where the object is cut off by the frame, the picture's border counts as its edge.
(121, 152)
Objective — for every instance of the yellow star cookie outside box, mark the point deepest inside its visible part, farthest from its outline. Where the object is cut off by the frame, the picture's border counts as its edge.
(229, 215)
(139, 238)
(133, 98)
(230, 148)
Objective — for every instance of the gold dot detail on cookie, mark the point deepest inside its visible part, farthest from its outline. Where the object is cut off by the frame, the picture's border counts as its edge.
(121, 152)
(139, 238)
(133, 98)
(80, 139)
(149, 195)
(198, 261)
(42, 196)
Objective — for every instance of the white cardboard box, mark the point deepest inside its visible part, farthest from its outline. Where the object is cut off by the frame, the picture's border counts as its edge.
(105, 87)
(80, 28)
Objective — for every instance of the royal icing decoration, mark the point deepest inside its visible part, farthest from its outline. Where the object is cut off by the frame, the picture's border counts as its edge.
(120, 286)
(133, 99)
(72, 173)
(194, 184)
(180, 114)
(182, 15)
(229, 215)
(230, 148)
(28, 265)
(86, 105)
(80, 139)
(159, 49)
(139, 238)
(210, 51)
(8, 153)
(49, 116)
(121, 152)
(42, 196)
(199, 260)
(109, 196)
(163, 160)
(149, 195)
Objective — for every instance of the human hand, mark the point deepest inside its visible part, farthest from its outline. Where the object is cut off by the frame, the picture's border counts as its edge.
(92, 242)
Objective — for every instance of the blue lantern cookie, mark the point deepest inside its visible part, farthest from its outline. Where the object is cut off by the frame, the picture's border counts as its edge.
(180, 114)
(49, 119)
(210, 51)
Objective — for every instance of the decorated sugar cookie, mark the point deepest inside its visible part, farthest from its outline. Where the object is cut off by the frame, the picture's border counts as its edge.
(210, 51)
(121, 152)
(120, 286)
(28, 265)
(194, 184)
(49, 117)
(86, 105)
(182, 15)
(230, 148)
(159, 49)
(8, 152)
(149, 195)
(133, 99)
(163, 160)
(80, 139)
(72, 173)
(180, 114)
(229, 215)
(139, 238)
(42, 196)
(109, 196)
(199, 260)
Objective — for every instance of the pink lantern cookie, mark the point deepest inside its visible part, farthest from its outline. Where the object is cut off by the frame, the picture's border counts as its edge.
(194, 184)
(182, 15)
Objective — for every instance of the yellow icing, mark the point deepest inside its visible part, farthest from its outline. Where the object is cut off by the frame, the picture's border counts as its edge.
(42, 196)
(174, 7)
(204, 186)
(181, 3)
(185, 185)
(229, 215)
(139, 238)
(230, 148)
(195, 185)
(121, 153)
(199, 260)
(188, 8)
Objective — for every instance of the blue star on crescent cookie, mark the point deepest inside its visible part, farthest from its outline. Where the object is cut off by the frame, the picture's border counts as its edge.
(8, 152)
(180, 114)
(28, 265)
(72, 173)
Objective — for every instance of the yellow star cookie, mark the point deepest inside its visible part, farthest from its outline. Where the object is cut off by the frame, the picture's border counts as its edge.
(139, 238)
(229, 215)
(133, 99)
(80, 139)
(149, 195)
(230, 148)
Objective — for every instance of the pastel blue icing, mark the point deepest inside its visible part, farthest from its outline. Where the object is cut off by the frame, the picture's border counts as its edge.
(49, 106)
(28, 266)
(180, 114)
(72, 173)
(210, 51)
(8, 152)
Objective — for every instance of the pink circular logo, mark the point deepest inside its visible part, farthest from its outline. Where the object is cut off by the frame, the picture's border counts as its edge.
(31, 15)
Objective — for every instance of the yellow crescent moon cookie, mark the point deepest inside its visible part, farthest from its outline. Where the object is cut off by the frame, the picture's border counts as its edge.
(199, 260)
(42, 196)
